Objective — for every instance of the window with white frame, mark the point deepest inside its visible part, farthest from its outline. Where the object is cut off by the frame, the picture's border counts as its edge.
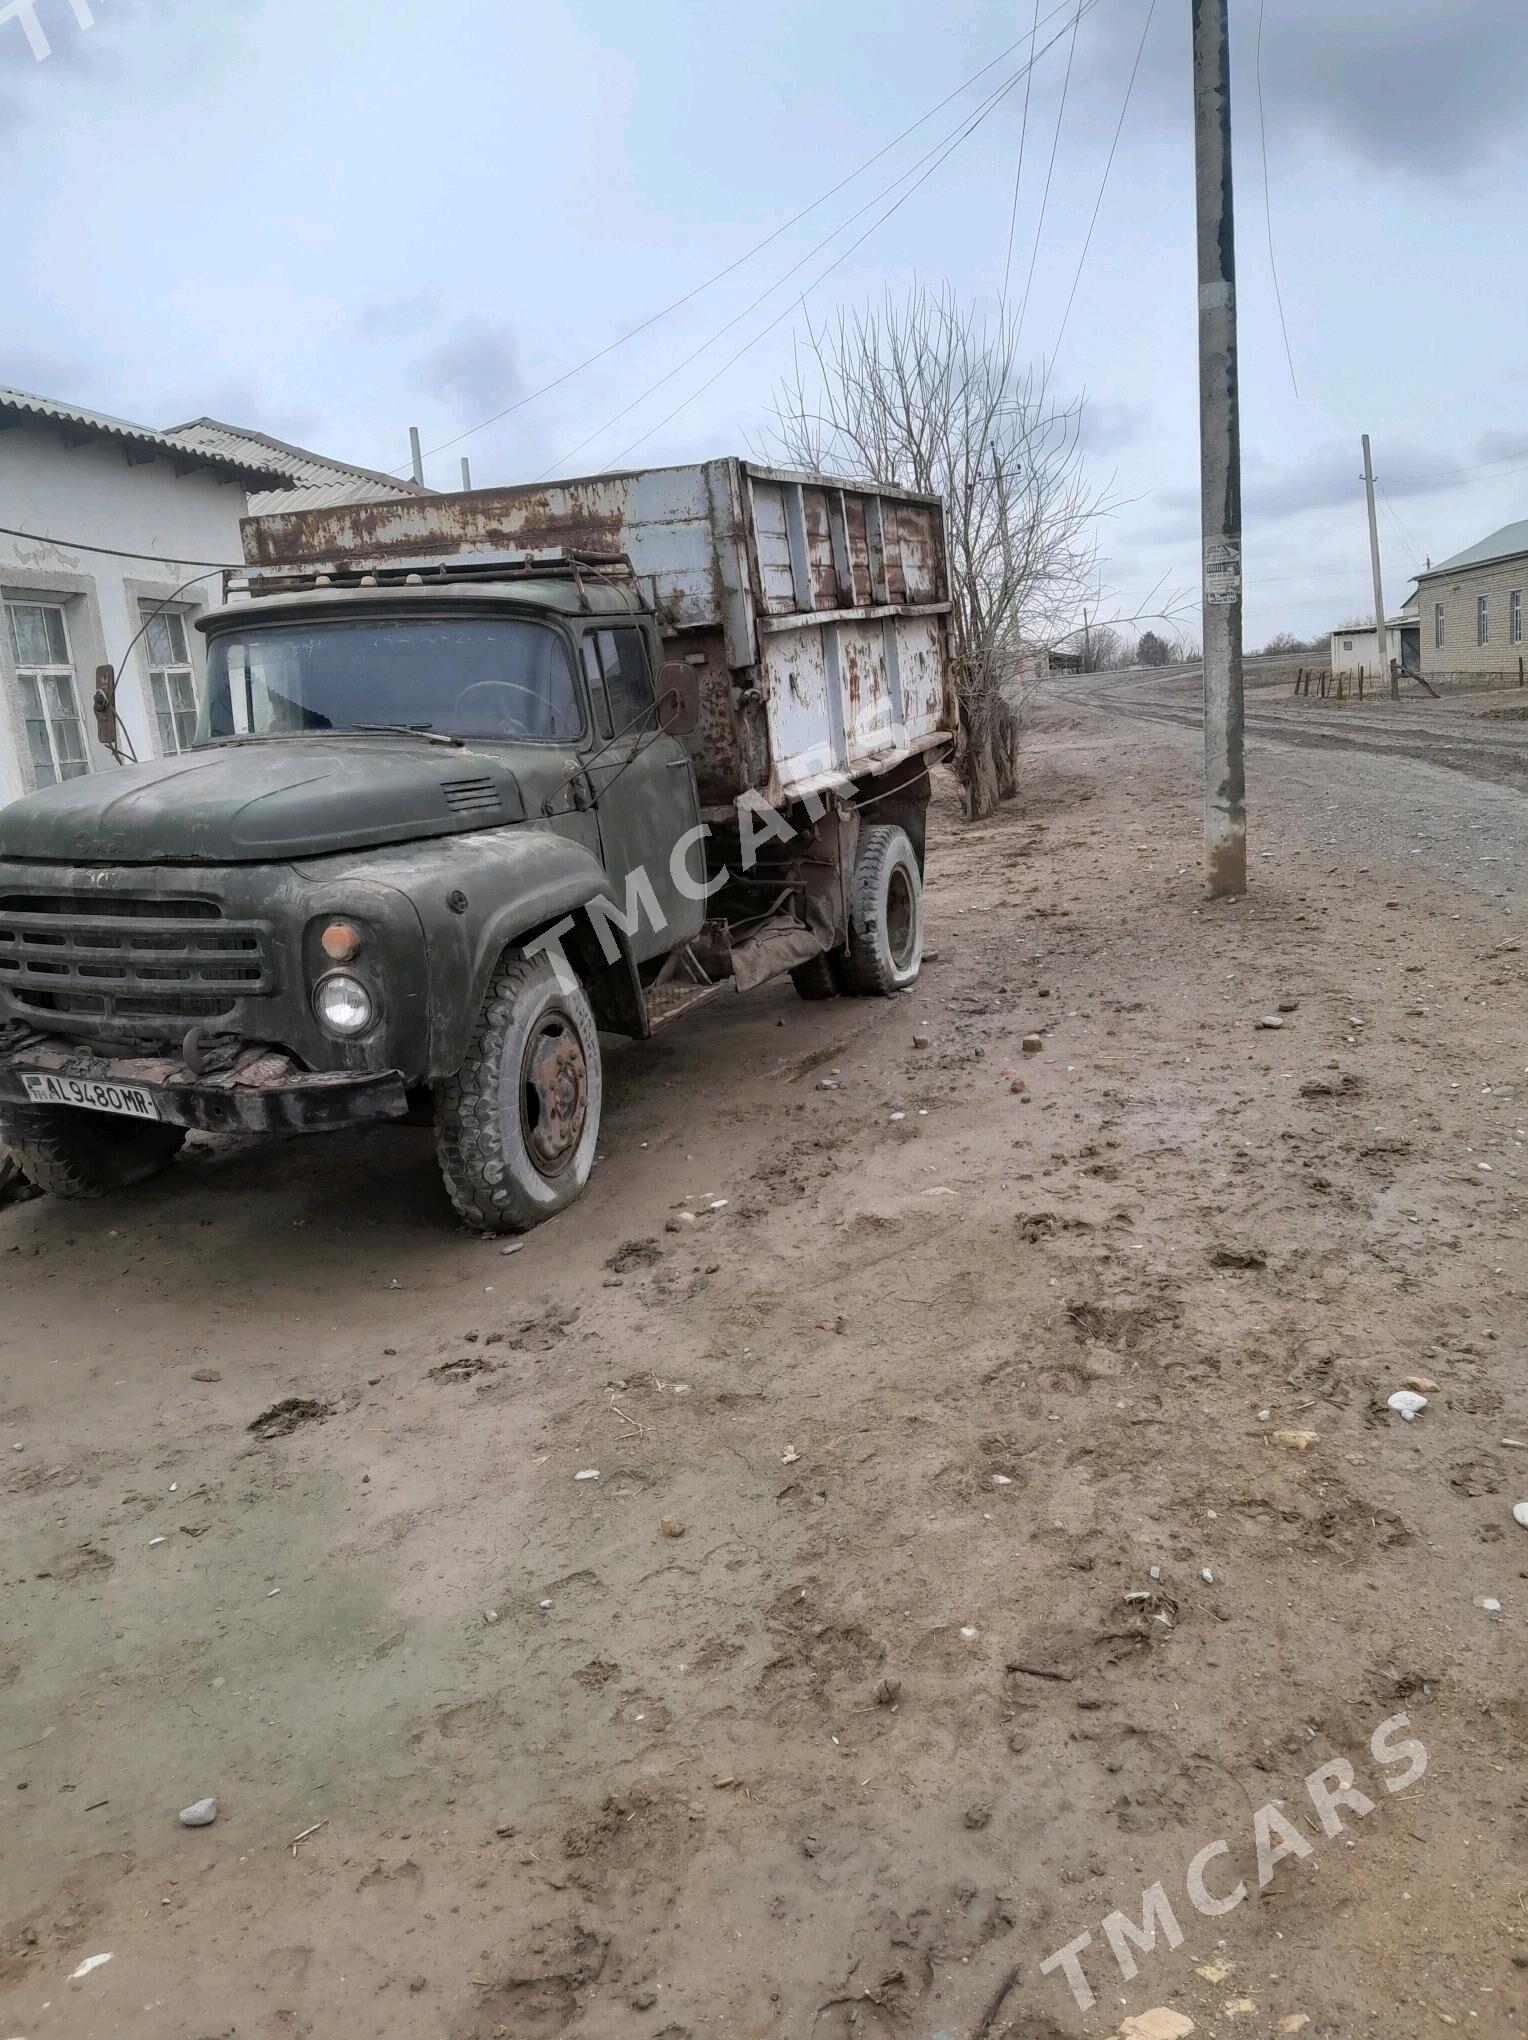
(45, 681)
(172, 681)
(1438, 626)
(1517, 616)
(1482, 619)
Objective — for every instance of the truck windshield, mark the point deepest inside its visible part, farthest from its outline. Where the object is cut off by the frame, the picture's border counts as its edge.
(466, 676)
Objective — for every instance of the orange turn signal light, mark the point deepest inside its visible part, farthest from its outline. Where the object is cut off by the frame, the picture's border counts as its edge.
(340, 941)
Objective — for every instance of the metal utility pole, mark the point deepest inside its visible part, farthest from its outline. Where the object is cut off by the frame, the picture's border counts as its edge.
(1225, 788)
(415, 455)
(466, 472)
(1381, 635)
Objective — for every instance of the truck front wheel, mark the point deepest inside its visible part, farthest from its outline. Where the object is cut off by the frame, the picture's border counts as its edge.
(76, 1154)
(885, 913)
(516, 1127)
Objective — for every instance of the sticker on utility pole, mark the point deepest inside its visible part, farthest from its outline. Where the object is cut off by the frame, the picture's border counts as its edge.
(1222, 570)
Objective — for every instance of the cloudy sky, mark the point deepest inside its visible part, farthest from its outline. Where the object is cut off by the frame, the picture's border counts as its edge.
(332, 218)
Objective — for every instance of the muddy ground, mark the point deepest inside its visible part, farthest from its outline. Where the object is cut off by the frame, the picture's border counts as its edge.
(995, 1601)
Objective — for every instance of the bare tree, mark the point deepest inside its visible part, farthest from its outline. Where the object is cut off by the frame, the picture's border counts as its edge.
(1102, 648)
(924, 395)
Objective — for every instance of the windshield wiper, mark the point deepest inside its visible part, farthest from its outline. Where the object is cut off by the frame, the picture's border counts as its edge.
(410, 729)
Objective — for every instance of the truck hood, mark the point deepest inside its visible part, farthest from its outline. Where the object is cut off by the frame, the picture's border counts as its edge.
(264, 801)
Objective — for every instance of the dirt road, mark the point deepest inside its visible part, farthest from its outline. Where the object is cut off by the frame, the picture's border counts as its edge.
(1006, 1586)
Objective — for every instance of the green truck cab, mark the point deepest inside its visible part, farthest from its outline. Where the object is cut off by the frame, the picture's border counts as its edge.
(477, 778)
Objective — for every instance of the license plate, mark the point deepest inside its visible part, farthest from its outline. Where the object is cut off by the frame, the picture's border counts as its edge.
(131, 1100)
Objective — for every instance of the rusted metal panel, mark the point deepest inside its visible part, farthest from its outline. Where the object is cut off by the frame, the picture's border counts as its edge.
(790, 592)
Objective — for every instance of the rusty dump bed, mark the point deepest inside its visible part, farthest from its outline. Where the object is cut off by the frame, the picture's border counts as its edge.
(815, 609)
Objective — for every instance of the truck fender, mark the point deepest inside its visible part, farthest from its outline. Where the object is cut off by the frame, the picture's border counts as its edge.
(546, 882)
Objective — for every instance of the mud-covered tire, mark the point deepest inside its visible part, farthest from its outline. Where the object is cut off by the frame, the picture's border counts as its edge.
(821, 977)
(885, 913)
(516, 1128)
(75, 1154)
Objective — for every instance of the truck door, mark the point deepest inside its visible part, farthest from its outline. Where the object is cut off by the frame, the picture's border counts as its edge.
(644, 788)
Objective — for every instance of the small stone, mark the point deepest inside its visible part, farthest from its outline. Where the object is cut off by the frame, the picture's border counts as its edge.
(1489, 1603)
(826, 1084)
(977, 1817)
(644, 1999)
(1406, 1403)
(1421, 1384)
(1295, 2023)
(205, 1374)
(1018, 1087)
(1289, 1005)
(1032, 1044)
(887, 1692)
(1520, 1513)
(588, 1473)
(200, 1813)
(1295, 1441)
(515, 1247)
(1271, 1021)
(920, 1041)
(671, 1526)
(1207, 1576)
(1160, 2023)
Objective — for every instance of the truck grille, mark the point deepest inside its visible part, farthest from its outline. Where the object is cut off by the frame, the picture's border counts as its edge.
(122, 960)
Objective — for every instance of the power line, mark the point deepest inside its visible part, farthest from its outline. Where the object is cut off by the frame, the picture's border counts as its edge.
(1018, 172)
(932, 158)
(1403, 530)
(117, 552)
(1034, 253)
(1104, 184)
(1507, 463)
(1262, 124)
(758, 247)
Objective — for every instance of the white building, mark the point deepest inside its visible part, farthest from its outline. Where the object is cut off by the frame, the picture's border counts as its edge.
(1356, 649)
(101, 521)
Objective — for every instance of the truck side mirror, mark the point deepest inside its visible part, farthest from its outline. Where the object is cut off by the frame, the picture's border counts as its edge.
(678, 698)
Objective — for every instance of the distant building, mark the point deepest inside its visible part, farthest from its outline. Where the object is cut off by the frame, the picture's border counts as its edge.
(102, 521)
(1472, 607)
(1356, 649)
(312, 480)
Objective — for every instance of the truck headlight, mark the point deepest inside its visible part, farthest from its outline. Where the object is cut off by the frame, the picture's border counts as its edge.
(343, 1004)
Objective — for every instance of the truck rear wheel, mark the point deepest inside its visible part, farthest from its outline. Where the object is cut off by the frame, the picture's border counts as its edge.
(516, 1127)
(76, 1154)
(885, 913)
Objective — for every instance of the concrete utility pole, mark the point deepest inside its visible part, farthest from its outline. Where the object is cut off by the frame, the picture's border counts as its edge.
(1225, 787)
(1381, 636)
(415, 455)
(466, 472)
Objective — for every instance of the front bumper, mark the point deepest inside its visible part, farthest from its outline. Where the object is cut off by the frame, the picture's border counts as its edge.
(263, 1091)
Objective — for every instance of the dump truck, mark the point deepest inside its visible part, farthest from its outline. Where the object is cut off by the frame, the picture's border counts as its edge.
(476, 778)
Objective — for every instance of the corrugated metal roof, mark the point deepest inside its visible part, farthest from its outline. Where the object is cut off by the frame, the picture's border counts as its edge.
(319, 481)
(1505, 544)
(243, 466)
